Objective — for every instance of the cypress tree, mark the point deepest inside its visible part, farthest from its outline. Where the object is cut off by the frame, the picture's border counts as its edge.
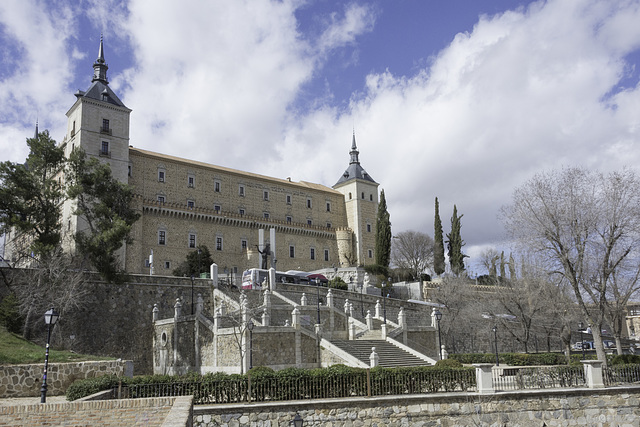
(438, 253)
(455, 244)
(383, 234)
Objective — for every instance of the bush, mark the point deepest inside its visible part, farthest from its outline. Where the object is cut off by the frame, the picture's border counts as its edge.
(338, 283)
(625, 359)
(83, 388)
(448, 363)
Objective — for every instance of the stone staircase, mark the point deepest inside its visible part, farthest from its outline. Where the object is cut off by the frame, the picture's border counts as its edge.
(389, 355)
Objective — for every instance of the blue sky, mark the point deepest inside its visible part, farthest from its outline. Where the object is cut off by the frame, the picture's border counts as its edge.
(463, 100)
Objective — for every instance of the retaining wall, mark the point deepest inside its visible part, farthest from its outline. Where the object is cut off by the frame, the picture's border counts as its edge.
(26, 380)
(158, 411)
(601, 407)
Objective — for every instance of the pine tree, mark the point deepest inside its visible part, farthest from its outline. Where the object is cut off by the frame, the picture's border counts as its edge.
(455, 244)
(383, 235)
(438, 252)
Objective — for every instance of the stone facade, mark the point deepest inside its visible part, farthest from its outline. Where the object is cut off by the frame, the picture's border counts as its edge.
(26, 380)
(610, 407)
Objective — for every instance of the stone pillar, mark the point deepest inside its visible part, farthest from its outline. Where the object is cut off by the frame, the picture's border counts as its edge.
(177, 309)
(329, 298)
(373, 358)
(445, 354)
(303, 300)
(295, 318)
(223, 308)
(484, 378)
(352, 329)
(369, 320)
(434, 321)
(383, 333)
(378, 309)
(199, 304)
(351, 309)
(402, 318)
(593, 373)
(272, 279)
(266, 318)
(213, 271)
(346, 306)
(155, 313)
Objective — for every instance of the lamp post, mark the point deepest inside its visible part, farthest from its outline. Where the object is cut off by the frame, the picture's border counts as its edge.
(192, 294)
(438, 315)
(495, 340)
(50, 319)
(384, 304)
(250, 326)
(315, 280)
(581, 327)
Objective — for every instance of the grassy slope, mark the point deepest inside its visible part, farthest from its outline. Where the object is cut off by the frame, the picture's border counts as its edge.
(16, 350)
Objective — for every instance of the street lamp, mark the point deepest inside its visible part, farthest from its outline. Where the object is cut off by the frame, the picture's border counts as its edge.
(297, 421)
(438, 315)
(315, 280)
(199, 262)
(250, 326)
(581, 327)
(192, 294)
(50, 319)
(384, 304)
(495, 340)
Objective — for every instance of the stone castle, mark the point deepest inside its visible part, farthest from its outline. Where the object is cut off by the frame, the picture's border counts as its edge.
(185, 203)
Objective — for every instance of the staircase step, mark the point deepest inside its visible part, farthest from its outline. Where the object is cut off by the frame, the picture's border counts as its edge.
(388, 354)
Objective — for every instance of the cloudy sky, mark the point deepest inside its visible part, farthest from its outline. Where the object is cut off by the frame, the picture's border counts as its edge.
(460, 99)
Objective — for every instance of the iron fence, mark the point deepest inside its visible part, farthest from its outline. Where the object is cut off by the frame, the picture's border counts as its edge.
(621, 374)
(520, 378)
(268, 388)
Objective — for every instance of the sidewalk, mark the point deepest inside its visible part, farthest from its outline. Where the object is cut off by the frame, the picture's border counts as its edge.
(12, 401)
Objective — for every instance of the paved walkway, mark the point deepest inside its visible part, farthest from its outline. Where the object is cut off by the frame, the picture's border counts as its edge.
(30, 400)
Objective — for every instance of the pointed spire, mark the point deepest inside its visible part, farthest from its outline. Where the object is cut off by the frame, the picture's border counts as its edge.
(354, 151)
(36, 136)
(100, 66)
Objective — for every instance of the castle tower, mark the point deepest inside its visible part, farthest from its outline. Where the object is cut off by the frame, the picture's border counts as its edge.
(360, 193)
(98, 122)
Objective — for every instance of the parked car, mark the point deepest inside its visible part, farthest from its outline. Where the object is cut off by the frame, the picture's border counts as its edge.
(588, 345)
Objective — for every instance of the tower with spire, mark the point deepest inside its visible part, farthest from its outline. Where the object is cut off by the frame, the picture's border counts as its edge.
(98, 122)
(360, 193)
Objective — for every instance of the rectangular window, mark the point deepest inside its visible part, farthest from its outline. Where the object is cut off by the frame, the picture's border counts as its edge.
(308, 222)
(105, 126)
(218, 243)
(160, 176)
(328, 207)
(167, 265)
(326, 254)
(217, 208)
(362, 195)
(104, 149)
(265, 195)
(243, 244)
(129, 171)
(266, 215)
(161, 199)
(309, 203)
(162, 237)
(313, 253)
(191, 204)
(216, 186)
(288, 199)
(192, 240)
(292, 251)
(241, 212)
(368, 228)
(371, 197)
(328, 225)
(289, 219)
(370, 253)
(241, 190)
(191, 181)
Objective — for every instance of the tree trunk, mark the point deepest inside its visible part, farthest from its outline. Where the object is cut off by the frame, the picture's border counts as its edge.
(597, 341)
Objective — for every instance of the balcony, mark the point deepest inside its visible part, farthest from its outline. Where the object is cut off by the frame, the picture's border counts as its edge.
(104, 153)
(106, 131)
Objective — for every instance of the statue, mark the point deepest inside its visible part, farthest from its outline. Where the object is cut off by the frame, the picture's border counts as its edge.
(366, 279)
(265, 255)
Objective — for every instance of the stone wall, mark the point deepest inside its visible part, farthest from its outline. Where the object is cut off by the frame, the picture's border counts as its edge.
(160, 411)
(604, 407)
(26, 380)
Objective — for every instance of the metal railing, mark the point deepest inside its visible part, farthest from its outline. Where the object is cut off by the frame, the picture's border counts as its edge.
(520, 378)
(621, 374)
(365, 383)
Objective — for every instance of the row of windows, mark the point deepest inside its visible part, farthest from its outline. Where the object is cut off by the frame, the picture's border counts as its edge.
(192, 244)
(217, 185)
(362, 196)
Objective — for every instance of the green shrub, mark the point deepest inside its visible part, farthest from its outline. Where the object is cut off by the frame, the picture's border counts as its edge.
(448, 363)
(624, 359)
(87, 387)
(338, 283)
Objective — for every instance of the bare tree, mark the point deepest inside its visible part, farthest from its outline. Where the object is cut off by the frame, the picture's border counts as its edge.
(413, 251)
(587, 227)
